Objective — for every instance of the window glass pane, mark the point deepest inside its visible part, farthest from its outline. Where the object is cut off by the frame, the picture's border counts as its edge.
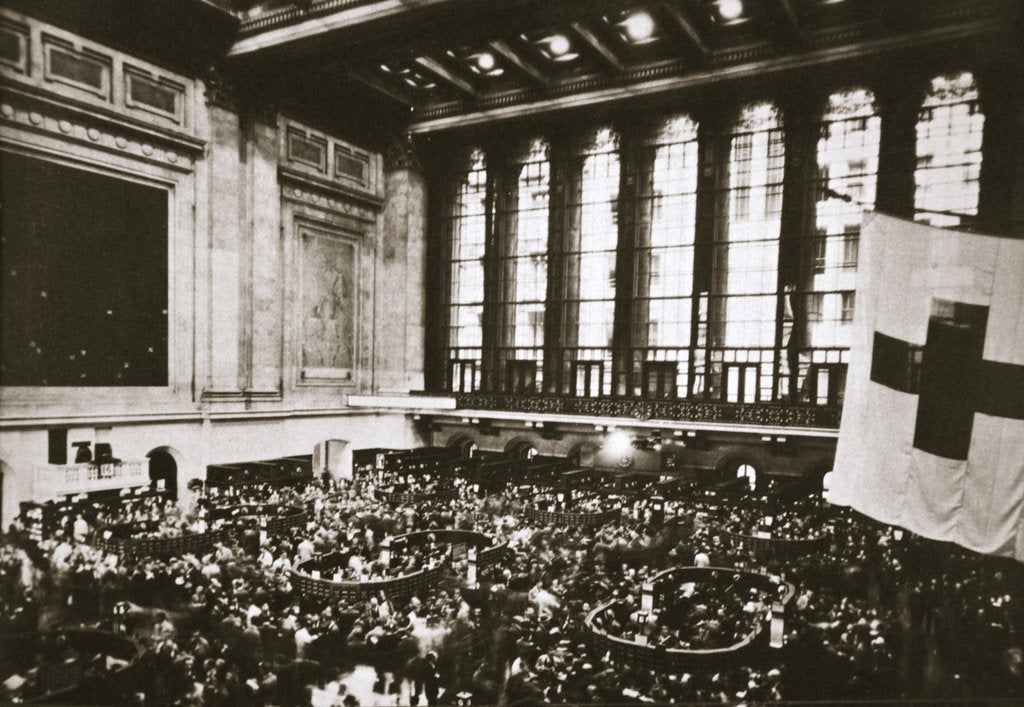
(949, 132)
(666, 236)
(591, 252)
(820, 311)
(749, 384)
(468, 232)
(847, 155)
(525, 261)
(822, 386)
(747, 244)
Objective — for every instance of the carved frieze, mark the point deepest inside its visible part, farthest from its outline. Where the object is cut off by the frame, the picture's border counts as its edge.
(49, 117)
(312, 195)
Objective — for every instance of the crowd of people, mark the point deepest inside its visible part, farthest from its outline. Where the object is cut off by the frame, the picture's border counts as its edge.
(877, 616)
(690, 616)
(792, 524)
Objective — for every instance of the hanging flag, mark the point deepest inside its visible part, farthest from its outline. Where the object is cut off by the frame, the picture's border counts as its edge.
(932, 434)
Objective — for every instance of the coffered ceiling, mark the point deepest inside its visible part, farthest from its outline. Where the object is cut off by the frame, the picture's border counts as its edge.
(375, 67)
(448, 63)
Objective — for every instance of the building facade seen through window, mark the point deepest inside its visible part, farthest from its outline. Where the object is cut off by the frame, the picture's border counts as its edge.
(468, 228)
(666, 235)
(524, 235)
(744, 300)
(847, 168)
(724, 296)
(949, 131)
(589, 275)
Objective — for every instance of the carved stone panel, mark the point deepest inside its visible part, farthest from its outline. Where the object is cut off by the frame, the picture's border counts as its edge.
(329, 301)
(329, 163)
(50, 61)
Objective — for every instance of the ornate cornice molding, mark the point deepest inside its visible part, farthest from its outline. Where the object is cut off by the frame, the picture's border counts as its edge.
(303, 189)
(87, 126)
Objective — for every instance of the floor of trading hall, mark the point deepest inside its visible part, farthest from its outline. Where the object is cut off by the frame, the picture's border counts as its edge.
(360, 683)
(432, 264)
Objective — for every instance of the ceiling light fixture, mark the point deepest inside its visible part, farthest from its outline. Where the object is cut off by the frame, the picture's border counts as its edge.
(554, 47)
(481, 63)
(409, 77)
(559, 44)
(485, 60)
(638, 27)
(730, 10)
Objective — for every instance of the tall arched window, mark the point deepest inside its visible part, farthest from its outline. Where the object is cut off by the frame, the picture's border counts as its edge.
(468, 228)
(591, 243)
(742, 317)
(525, 268)
(665, 245)
(847, 159)
(949, 131)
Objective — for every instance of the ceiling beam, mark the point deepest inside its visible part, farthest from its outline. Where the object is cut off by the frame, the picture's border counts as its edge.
(684, 24)
(367, 78)
(791, 22)
(604, 52)
(321, 25)
(828, 56)
(506, 52)
(445, 74)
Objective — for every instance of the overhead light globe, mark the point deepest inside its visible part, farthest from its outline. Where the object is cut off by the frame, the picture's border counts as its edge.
(730, 9)
(639, 27)
(485, 61)
(559, 45)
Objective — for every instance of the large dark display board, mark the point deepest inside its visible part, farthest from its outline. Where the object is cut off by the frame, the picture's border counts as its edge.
(84, 277)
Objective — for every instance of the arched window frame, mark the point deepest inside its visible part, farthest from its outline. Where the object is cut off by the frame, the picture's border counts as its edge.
(742, 321)
(467, 228)
(950, 126)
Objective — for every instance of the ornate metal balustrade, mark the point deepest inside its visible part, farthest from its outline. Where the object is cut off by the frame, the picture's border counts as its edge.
(706, 411)
(55, 480)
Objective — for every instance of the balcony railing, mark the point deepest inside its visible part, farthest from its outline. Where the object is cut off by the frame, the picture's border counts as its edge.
(54, 480)
(705, 411)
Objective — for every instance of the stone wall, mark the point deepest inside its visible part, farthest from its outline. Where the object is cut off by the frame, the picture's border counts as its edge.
(295, 267)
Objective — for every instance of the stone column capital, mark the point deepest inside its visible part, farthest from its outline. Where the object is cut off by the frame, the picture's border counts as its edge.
(402, 154)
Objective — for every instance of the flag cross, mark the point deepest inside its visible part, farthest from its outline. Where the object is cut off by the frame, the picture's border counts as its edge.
(951, 378)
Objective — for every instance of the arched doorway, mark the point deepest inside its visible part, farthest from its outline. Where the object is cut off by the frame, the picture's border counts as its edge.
(733, 467)
(521, 449)
(162, 466)
(748, 472)
(826, 486)
(467, 447)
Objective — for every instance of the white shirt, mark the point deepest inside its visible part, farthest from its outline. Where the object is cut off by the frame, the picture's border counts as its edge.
(302, 639)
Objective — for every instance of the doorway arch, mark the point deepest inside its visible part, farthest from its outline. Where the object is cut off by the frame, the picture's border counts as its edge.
(466, 446)
(736, 466)
(164, 466)
(749, 472)
(521, 449)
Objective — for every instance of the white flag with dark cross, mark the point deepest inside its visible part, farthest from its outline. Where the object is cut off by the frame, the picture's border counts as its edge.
(932, 434)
